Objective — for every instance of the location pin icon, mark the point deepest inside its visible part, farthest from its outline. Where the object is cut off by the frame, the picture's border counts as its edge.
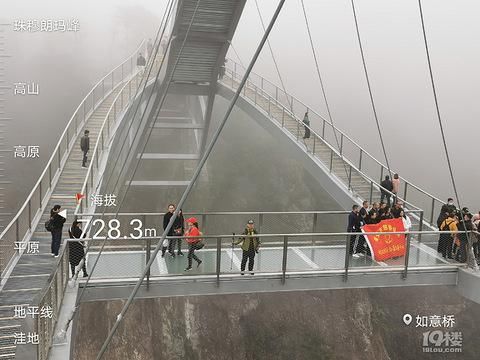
(407, 319)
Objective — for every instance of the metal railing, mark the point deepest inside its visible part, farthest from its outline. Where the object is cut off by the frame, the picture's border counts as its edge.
(23, 224)
(123, 100)
(120, 103)
(52, 297)
(285, 253)
(324, 132)
(234, 221)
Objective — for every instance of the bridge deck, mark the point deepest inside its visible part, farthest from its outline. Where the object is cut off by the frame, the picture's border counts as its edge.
(268, 260)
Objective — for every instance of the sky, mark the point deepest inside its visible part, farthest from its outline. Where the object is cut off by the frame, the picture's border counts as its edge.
(68, 65)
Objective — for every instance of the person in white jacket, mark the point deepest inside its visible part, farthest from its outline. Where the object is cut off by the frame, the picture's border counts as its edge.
(407, 223)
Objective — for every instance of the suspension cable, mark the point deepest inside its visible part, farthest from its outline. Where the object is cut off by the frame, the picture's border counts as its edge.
(199, 168)
(166, 17)
(370, 89)
(442, 132)
(290, 103)
(314, 53)
(236, 53)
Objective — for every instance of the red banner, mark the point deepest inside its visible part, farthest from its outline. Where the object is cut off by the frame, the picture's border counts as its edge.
(386, 246)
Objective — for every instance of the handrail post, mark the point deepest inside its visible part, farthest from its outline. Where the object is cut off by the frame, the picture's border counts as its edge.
(40, 188)
(371, 191)
(219, 254)
(420, 226)
(298, 129)
(407, 256)
(381, 172)
(260, 222)
(331, 160)
(360, 160)
(314, 226)
(341, 144)
(30, 215)
(347, 258)
(59, 158)
(284, 258)
(147, 259)
(314, 138)
(17, 232)
(204, 222)
(323, 130)
(433, 207)
(405, 191)
(276, 93)
(350, 178)
(283, 117)
(50, 173)
(269, 110)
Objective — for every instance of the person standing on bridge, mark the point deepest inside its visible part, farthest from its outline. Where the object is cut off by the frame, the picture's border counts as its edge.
(250, 246)
(306, 125)
(353, 227)
(395, 188)
(56, 221)
(194, 242)
(141, 63)
(445, 241)
(386, 189)
(175, 230)
(85, 146)
(76, 248)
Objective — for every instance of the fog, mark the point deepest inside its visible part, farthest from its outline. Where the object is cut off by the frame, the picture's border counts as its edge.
(67, 65)
(395, 56)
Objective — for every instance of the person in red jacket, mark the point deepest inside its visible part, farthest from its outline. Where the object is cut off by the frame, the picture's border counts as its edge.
(194, 242)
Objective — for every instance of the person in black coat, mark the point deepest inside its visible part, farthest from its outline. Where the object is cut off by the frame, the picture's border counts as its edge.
(353, 226)
(85, 147)
(176, 230)
(386, 190)
(57, 222)
(75, 248)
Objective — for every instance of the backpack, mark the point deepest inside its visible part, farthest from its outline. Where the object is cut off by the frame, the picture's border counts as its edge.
(447, 225)
(49, 225)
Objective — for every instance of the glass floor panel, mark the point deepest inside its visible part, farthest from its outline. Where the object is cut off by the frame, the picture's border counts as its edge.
(118, 264)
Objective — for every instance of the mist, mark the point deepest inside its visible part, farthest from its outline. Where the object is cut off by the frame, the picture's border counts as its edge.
(67, 65)
(395, 56)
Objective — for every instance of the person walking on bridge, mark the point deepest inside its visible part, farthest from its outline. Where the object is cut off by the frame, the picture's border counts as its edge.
(306, 126)
(85, 146)
(250, 246)
(194, 242)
